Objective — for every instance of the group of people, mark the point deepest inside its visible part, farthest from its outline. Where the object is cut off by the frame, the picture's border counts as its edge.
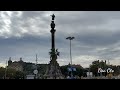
(73, 77)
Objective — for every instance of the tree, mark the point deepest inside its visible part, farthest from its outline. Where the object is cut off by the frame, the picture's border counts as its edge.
(10, 73)
(13, 74)
(78, 72)
(98, 64)
(19, 75)
(64, 70)
(2, 72)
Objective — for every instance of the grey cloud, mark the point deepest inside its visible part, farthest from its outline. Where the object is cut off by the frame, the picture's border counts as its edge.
(92, 30)
(86, 18)
(19, 48)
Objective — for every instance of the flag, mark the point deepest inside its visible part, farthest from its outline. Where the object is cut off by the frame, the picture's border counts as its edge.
(74, 69)
(69, 69)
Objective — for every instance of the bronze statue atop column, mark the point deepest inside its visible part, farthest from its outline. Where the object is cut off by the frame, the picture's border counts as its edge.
(54, 69)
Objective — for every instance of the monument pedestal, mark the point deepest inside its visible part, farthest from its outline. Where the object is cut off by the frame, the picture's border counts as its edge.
(53, 71)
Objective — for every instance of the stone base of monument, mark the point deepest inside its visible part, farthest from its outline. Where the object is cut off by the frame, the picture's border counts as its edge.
(53, 71)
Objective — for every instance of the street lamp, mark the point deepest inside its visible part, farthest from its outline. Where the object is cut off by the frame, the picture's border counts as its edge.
(70, 38)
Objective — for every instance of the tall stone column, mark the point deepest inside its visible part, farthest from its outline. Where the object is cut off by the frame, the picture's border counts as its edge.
(53, 71)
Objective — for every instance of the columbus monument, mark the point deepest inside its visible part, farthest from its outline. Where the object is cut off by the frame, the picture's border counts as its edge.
(53, 71)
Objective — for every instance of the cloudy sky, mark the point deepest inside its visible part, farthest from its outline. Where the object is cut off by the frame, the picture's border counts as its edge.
(27, 33)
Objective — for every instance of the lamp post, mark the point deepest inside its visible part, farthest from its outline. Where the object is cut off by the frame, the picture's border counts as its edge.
(70, 38)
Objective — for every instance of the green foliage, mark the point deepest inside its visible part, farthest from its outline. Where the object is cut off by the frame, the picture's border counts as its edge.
(19, 75)
(42, 68)
(2, 72)
(97, 64)
(10, 73)
(100, 64)
(64, 70)
(78, 72)
(30, 67)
